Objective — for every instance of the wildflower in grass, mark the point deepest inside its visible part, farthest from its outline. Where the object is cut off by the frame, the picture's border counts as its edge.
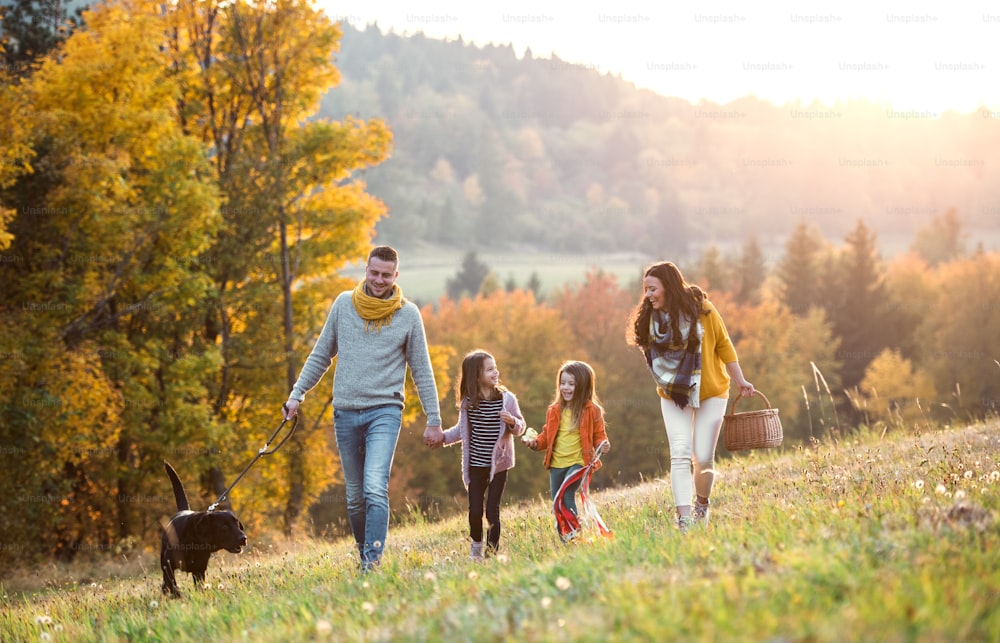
(43, 619)
(503, 559)
(324, 627)
(546, 602)
(959, 494)
(368, 607)
(44, 636)
(919, 485)
(57, 627)
(994, 475)
(154, 604)
(473, 575)
(431, 576)
(968, 475)
(563, 583)
(940, 489)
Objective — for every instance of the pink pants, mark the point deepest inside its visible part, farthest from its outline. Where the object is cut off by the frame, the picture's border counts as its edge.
(692, 432)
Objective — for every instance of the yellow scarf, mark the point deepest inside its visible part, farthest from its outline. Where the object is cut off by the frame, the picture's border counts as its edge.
(376, 312)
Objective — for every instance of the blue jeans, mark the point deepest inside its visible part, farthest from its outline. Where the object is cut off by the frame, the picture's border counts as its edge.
(367, 440)
(556, 477)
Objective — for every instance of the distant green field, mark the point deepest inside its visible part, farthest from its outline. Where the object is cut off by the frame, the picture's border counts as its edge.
(423, 274)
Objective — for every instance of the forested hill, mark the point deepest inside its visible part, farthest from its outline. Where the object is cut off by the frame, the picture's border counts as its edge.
(494, 149)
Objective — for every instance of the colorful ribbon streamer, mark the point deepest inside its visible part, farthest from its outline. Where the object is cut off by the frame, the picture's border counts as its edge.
(569, 524)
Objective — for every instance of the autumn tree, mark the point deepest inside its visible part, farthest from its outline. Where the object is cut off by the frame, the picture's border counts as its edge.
(941, 240)
(777, 351)
(894, 392)
(959, 335)
(111, 210)
(252, 74)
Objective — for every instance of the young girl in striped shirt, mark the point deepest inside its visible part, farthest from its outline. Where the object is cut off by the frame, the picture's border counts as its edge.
(488, 419)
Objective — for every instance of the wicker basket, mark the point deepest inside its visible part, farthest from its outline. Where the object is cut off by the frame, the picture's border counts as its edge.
(752, 429)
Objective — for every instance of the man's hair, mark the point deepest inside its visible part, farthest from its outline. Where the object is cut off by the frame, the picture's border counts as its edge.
(385, 253)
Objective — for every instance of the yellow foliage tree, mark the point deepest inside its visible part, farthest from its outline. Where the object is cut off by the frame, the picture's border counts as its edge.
(104, 302)
(894, 392)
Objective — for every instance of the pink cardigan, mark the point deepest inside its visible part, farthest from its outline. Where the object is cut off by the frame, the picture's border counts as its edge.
(503, 450)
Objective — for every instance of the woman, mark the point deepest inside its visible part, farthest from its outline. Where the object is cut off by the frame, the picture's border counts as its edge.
(692, 360)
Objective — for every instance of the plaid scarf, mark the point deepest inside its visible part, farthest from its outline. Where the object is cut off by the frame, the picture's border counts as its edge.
(376, 312)
(675, 361)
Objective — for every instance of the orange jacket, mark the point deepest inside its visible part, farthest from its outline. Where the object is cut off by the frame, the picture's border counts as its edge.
(591, 431)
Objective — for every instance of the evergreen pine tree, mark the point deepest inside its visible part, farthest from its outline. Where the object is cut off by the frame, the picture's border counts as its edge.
(858, 308)
(799, 270)
(751, 273)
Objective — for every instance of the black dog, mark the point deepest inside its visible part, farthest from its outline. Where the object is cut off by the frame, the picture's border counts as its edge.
(190, 538)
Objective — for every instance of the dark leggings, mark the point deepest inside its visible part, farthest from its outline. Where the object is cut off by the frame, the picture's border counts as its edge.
(480, 489)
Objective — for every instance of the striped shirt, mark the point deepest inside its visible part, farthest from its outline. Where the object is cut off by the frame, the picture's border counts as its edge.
(485, 425)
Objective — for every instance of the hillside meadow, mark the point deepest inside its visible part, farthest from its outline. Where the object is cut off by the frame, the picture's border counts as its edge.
(874, 537)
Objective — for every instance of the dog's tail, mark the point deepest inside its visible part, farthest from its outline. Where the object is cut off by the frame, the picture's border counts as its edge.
(179, 495)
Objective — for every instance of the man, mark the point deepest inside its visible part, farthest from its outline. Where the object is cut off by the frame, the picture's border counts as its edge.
(374, 333)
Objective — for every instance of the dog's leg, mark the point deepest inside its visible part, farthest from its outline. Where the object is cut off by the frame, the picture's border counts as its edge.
(169, 579)
(199, 566)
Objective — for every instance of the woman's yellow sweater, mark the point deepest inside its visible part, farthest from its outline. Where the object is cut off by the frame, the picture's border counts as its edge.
(716, 351)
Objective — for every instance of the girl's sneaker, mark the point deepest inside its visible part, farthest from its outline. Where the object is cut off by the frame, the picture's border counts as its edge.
(476, 551)
(700, 513)
(684, 523)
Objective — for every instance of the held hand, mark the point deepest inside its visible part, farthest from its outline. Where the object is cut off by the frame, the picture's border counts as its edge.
(605, 447)
(290, 409)
(746, 389)
(507, 418)
(433, 436)
(532, 444)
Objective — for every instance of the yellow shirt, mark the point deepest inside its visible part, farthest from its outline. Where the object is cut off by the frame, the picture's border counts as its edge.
(567, 449)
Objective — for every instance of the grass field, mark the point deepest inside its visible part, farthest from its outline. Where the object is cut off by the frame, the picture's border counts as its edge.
(424, 273)
(890, 539)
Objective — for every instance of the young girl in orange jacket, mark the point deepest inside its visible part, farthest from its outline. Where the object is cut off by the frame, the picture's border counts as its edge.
(574, 424)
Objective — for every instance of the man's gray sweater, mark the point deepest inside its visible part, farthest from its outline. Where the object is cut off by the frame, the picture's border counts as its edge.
(371, 365)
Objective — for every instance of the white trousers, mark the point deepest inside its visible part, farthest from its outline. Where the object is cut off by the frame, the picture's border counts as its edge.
(693, 435)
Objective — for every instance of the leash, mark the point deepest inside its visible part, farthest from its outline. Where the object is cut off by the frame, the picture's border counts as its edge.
(260, 453)
(569, 524)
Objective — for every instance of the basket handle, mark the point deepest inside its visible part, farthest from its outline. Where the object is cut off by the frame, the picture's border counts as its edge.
(756, 392)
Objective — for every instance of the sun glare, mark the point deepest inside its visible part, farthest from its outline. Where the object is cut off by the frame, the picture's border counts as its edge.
(926, 58)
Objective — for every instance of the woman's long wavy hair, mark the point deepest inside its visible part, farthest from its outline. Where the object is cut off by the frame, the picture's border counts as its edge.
(681, 299)
(584, 391)
(468, 383)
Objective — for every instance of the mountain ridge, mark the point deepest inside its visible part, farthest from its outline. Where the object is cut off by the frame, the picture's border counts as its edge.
(574, 160)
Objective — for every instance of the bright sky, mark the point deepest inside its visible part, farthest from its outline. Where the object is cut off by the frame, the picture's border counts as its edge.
(920, 56)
